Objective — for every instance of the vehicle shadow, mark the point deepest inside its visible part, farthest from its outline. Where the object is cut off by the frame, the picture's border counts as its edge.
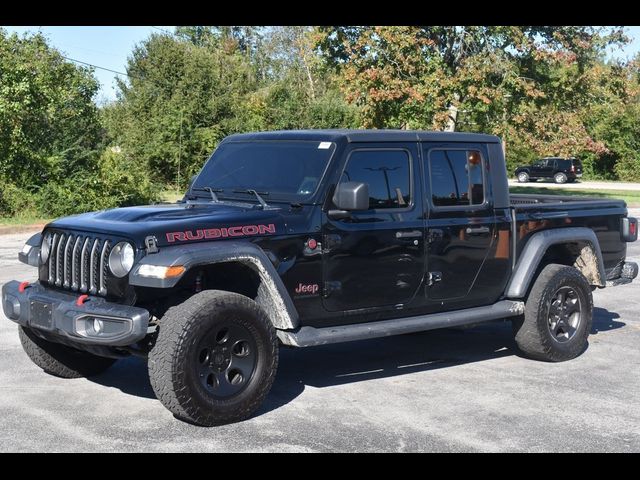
(338, 364)
(342, 363)
(604, 320)
(129, 375)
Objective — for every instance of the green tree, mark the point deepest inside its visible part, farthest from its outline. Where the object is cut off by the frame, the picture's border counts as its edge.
(49, 124)
(531, 85)
(53, 159)
(180, 100)
(187, 91)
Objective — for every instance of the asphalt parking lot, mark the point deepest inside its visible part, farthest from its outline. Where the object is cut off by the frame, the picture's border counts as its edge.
(445, 390)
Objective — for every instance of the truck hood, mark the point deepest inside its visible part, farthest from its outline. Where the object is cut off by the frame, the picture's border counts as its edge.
(178, 223)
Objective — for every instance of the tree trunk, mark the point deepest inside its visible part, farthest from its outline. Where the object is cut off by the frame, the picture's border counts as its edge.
(453, 114)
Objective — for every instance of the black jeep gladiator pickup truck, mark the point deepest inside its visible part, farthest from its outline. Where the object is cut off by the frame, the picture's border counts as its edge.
(305, 238)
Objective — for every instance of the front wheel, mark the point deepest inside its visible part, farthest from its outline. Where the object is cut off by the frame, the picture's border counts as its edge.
(60, 360)
(523, 177)
(215, 358)
(558, 315)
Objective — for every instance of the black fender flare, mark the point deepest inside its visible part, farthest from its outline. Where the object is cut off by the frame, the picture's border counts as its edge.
(536, 248)
(272, 295)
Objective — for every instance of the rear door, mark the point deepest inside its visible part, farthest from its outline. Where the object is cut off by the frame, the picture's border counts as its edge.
(461, 223)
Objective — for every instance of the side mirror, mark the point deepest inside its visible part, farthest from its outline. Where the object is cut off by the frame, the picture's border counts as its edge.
(351, 196)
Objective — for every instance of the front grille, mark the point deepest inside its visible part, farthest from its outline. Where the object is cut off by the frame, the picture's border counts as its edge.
(78, 262)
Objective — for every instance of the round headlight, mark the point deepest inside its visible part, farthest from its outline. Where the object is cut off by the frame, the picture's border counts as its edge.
(45, 248)
(121, 259)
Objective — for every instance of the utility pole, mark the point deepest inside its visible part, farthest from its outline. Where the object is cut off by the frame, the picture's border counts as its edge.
(504, 126)
(385, 171)
(453, 114)
(180, 147)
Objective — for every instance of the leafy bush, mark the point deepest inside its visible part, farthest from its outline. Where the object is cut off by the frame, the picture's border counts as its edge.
(114, 182)
(17, 202)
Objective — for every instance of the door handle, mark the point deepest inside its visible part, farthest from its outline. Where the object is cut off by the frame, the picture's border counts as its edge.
(412, 234)
(477, 230)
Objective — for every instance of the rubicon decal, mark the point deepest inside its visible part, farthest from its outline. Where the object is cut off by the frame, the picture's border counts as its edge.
(223, 232)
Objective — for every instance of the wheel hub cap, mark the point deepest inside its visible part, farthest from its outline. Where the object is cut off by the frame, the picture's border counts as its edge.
(225, 360)
(564, 314)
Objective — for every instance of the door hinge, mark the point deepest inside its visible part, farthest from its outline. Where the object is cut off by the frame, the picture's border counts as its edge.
(434, 277)
(331, 241)
(330, 287)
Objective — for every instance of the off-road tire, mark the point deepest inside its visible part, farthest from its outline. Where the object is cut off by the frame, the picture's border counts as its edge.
(61, 360)
(172, 360)
(532, 330)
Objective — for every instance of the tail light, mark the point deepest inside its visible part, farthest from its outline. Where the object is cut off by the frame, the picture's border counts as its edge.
(573, 168)
(629, 229)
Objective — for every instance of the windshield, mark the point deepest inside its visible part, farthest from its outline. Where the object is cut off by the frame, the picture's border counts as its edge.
(287, 170)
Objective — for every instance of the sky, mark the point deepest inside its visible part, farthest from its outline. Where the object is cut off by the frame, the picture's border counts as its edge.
(109, 47)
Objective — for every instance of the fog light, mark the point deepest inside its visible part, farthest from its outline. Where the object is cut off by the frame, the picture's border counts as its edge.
(102, 327)
(97, 325)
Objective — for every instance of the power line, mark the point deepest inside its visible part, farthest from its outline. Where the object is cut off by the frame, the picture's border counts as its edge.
(163, 30)
(96, 66)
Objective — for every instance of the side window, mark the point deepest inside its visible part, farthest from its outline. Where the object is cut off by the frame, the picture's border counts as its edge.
(456, 177)
(387, 174)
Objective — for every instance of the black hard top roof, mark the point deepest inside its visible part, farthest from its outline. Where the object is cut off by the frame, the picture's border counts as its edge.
(354, 136)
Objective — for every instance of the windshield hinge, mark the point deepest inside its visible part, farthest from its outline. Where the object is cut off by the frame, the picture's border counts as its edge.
(151, 243)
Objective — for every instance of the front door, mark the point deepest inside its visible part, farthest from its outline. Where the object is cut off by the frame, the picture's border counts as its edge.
(461, 223)
(375, 258)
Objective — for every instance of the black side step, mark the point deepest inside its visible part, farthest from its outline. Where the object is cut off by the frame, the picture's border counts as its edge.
(310, 336)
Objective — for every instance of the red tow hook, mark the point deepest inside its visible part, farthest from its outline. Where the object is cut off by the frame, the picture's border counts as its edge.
(23, 287)
(81, 300)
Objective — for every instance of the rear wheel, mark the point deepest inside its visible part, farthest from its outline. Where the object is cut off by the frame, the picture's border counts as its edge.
(558, 315)
(523, 177)
(560, 177)
(215, 358)
(60, 360)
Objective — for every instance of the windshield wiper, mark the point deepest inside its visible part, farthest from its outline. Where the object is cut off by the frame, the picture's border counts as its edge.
(257, 195)
(212, 191)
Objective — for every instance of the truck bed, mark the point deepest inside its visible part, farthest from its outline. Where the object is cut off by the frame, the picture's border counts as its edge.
(533, 213)
(528, 201)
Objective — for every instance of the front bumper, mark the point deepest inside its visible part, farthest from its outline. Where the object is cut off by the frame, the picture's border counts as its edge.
(93, 322)
(628, 272)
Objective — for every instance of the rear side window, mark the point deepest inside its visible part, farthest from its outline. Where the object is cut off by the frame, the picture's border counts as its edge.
(564, 164)
(456, 178)
(386, 172)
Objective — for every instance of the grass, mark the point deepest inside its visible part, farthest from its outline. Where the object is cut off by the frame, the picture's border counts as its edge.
(172, 195)
(631, 197)
(22, 220)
